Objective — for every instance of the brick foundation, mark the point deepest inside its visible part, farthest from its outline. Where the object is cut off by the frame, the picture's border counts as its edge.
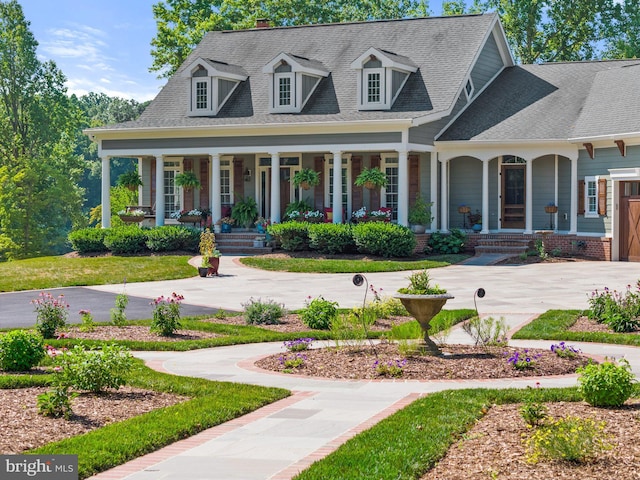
(598, 248)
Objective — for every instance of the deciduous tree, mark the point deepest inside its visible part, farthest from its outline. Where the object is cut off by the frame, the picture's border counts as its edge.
(39, 197)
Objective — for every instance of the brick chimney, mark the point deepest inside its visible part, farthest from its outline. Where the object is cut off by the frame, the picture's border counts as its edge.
(262, 23)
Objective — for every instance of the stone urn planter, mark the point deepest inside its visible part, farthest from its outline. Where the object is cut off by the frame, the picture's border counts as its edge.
(423, 308)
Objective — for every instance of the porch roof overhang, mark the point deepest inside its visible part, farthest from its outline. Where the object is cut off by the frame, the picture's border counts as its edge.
(372, 126)
(486, 150)
(609, 139)
(628, 174)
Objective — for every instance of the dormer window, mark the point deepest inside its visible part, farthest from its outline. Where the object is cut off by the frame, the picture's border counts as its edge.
(293, 79)
(381, 76)
(211, 85)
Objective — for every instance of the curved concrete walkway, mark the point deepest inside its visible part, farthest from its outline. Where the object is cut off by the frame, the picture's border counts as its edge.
(281, 439)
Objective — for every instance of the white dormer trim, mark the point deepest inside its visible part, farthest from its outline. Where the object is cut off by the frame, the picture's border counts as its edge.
(205, 87)
(292, 82)
(368, 78)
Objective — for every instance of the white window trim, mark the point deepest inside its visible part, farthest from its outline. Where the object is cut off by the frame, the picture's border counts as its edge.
(389, 64)
(388, 160)
(364, 98)
(194, 96)
(589, 213)
(179, 168)
(228, 167)
(275, 103)
(328, 166)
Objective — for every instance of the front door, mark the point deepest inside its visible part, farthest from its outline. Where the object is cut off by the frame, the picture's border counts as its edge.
(513, 196)
(630, 221)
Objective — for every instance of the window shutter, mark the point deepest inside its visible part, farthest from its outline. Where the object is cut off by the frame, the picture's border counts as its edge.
(414, 179)
(238, 177)
(602, 196)
(581, 197)
(374, 194)
(356, 192)
(318, 191)
(152, 183)
(204, 180)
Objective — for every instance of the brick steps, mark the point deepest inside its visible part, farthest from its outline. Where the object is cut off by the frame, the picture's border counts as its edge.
(513, 247)
(240, 243)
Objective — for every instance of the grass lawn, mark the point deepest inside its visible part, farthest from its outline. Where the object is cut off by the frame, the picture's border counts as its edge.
(553, 325)
(212, 403)
(51, 272)
(315, 265)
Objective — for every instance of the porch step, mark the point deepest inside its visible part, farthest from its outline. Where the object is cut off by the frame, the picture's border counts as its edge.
(240, 243)
(513, 247)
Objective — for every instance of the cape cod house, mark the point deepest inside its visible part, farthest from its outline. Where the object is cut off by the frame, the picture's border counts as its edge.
(437, 103)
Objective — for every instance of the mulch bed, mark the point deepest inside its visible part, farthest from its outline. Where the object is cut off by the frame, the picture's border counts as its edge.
(585, 324)
(459, 362)
(136, 333)
(494, 447)
(23, 428)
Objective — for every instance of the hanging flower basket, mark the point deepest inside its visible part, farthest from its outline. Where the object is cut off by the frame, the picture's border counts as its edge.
(190, 219)
(131, 218)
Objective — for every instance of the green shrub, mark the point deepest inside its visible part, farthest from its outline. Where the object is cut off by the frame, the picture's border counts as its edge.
(606, 384)
(56, 402)
(487, 331)
(571, 439)
(291, 236)
(169, 238)
(88, 240)
(51, 313)
(319, 313)
(128, 239)
(384, 239)
(452, 242)
(20, 350)
(257, 312)
(94, 370)
(331, 238)
(117, 314)
(533, 413)
(420, 284)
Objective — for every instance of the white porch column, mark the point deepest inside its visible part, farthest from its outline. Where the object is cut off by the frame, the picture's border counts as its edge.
(214, 189)
(403, 188)
(140, 187)
(434, 191)
(573, 224)
(106, 192)
(159, 191)
(485, 196)
(275, 187)
(337, 187)
(528, 228)
(444, 196)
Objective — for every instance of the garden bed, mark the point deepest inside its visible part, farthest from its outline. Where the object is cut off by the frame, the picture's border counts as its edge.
(24, 429)
(135, 333)
(459, 362)
(493, 448)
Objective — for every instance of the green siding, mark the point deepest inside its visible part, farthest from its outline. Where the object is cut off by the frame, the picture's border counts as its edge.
(564, 194)
(465, 188)
(543, 190)
(488, 65)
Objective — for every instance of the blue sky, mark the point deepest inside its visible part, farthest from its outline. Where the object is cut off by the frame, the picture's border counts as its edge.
(101, 45)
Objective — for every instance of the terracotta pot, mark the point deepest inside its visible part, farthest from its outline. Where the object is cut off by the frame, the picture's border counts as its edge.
(215, 263)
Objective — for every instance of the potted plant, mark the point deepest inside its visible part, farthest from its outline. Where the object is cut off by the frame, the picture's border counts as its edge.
(209, 252)
(306, 178)
(423, 301)
(131, 215)
(371, 178)
(204, 266)
(130, 180)
(187, 180)
(420, 215)
(475, 220)
(225, 224)
(245, 211)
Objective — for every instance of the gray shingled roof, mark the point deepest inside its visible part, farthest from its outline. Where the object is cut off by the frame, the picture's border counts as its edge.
(613, 104)
(442, 47)
(547, 102)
